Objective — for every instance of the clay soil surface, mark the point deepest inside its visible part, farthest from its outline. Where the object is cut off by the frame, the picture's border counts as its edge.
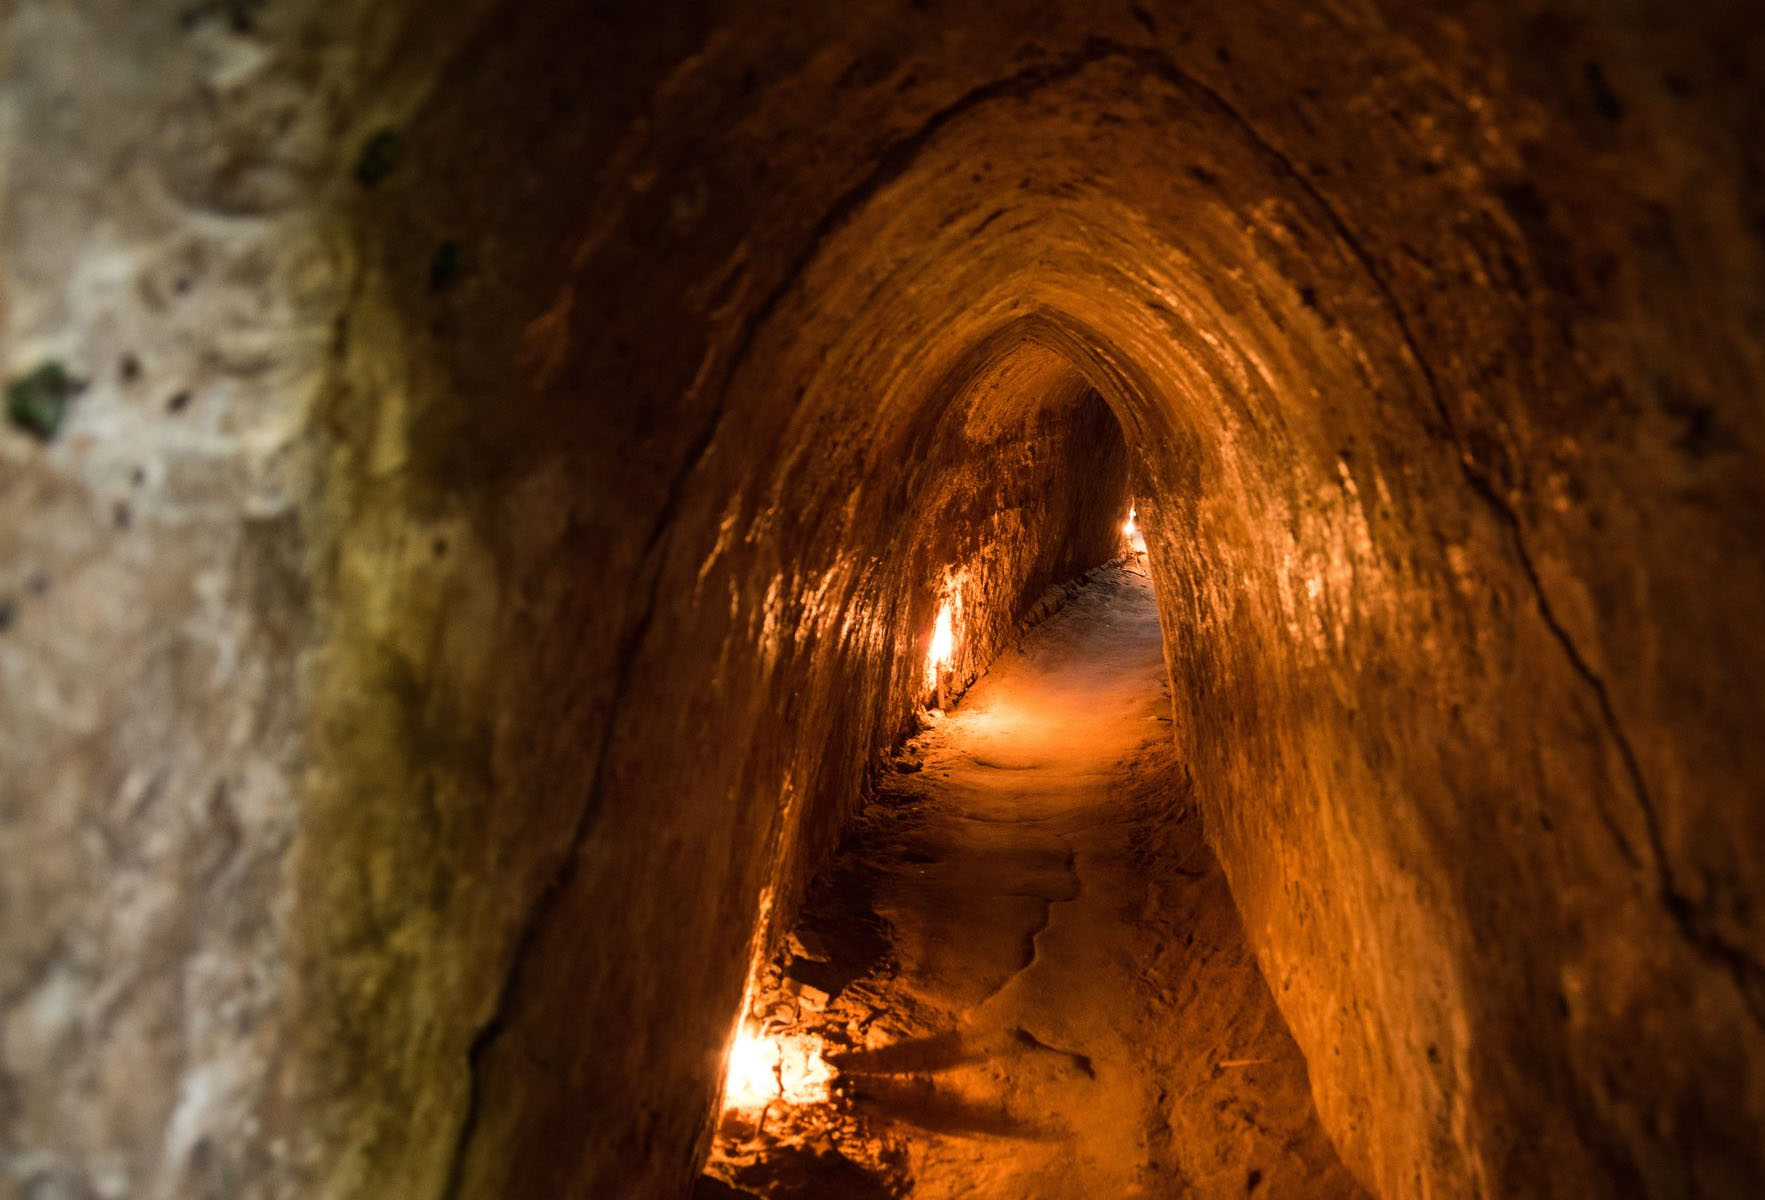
(1025, 967)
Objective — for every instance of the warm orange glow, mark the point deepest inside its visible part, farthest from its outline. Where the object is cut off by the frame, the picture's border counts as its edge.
(766, 1069)
(1131, 532)
(752, 1077)
(943, 650)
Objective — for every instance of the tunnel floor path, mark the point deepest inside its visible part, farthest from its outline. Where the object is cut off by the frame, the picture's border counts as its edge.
(1025, 968)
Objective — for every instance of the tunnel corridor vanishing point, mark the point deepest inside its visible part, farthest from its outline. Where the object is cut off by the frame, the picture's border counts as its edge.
(565, 628)
(979, 997)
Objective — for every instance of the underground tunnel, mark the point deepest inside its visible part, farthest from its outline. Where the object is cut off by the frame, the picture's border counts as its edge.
(905, 598)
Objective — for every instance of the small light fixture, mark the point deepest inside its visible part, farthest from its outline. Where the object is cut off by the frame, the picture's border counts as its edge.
(1131, 532)
(764, 1069)
(750, 1080)
(941, 658)
(943, 649)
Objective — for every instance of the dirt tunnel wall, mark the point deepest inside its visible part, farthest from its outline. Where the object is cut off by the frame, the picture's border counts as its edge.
(520, 446)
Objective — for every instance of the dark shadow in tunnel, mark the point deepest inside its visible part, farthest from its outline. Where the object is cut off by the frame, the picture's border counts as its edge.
(914, 1056)
(799, 1173)
(839, 937)
(918, 1102)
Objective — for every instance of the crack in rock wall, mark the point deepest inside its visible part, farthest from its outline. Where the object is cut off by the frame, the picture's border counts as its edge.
(520, 447)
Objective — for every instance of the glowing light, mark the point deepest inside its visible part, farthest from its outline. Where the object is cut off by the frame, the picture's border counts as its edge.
(943, 651)
(752, 1078)
(764, 1070)
(1131, 531)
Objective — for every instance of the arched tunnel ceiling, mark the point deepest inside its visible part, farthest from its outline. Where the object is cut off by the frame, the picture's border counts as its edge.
(649, 395)
(1333, 332)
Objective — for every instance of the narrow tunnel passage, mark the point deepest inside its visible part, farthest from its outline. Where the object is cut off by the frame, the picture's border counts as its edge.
(1023, 975)
(480, 481)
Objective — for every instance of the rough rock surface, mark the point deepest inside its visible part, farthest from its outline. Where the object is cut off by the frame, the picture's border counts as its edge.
(521, 446)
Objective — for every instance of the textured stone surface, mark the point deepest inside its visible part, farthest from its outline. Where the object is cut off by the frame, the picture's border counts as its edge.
(158, 238)
(536, 528)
